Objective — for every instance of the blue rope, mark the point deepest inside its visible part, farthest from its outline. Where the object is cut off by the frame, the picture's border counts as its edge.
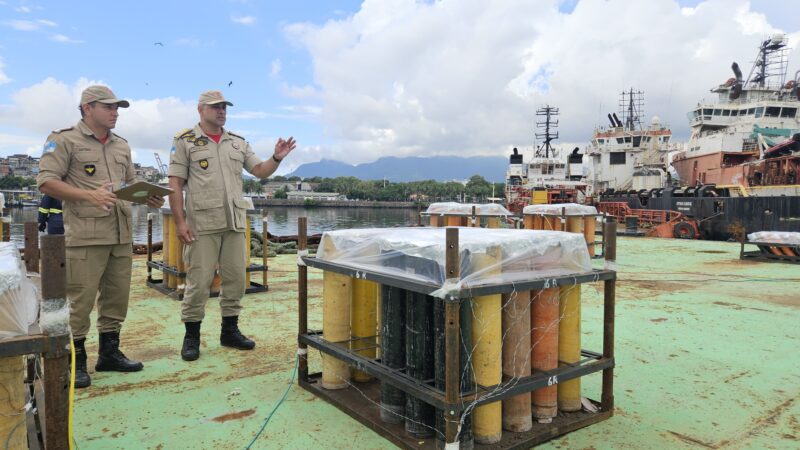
(266, 421)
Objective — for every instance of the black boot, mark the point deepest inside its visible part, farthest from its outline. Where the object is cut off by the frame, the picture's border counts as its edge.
(232, 337)
(82, 379)
(191, 341)
(111, 359)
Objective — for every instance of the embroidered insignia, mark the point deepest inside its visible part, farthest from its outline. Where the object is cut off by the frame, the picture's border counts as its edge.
(191, 138)
(235, 145)
(49, 146)
(89, 169)
(201, 142)
(204, 164)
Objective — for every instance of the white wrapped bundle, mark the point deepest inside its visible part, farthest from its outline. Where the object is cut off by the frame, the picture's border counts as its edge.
(571, 209)
(18, 298)
(465, 209)
(775, 237)
(418, 254)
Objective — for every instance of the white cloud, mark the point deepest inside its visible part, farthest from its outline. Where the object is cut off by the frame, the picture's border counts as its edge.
(244, 20)
(4, 79)
(148, 125)
(276, 68)
(298, 91)
(249, 115)
(425, 78)
(29, 25)
(65, 39)
(22, 9)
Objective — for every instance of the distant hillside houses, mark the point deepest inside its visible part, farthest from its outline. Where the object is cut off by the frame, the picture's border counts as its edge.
(19, 166)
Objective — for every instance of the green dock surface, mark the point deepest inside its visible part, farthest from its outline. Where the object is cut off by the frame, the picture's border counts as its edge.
(707, 356)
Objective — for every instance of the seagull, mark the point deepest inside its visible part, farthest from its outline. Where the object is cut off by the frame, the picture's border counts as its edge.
(158, 43)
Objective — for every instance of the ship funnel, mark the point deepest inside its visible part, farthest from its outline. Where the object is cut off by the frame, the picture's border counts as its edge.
(736, 89)
(619, 123)
(515, 158)
(611, 120)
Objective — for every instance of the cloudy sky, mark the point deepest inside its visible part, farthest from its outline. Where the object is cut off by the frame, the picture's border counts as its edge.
(354, 81)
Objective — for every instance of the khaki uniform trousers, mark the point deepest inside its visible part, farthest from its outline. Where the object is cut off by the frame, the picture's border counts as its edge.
(227, 249)
(98, 268)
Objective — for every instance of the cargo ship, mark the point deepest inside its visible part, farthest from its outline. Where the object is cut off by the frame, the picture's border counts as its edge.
(738, 174)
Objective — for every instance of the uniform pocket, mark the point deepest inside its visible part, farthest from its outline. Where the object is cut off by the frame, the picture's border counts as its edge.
(240, 213)
(76, 265)
(202, 163)
(237, 161)
(208, 211)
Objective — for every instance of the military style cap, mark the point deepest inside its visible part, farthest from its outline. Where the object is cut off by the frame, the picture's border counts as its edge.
(212, 98)
(102, 94)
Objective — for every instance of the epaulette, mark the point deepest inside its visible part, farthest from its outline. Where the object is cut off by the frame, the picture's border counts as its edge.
(116, 135)
(62, 130)
(184, 132)
(234, 134)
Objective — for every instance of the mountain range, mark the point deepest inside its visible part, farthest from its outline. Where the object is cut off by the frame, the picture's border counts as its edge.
(440, 168)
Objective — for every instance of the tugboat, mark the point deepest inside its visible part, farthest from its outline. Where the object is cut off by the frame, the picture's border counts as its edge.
(546, 178)
(739, 173)
(627, 155)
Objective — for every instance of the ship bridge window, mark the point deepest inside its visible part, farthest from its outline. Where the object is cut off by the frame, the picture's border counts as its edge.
(616, 158)
(707, 111)
(627, 139)
(734, 113)
(726, 112)
(665, 139)
(601, 141)
(696, 113)
(637, 140)
(759, 111)
(717, 112)
(772, 111)
(788, 112)
(751, 111)
(619, 141)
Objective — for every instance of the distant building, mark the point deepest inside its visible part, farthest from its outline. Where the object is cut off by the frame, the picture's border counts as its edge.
(19, 165)
(146, 172)
(309, 195)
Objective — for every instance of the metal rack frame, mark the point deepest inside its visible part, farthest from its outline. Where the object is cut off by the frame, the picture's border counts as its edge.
(352, 401)
(764, 254)
(160, 285)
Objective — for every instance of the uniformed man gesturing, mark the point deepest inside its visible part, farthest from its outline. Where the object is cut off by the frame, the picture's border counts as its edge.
(81, 166)
(207, 162)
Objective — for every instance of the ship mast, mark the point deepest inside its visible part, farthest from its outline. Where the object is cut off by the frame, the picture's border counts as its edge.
(631, 106)
(771, 62)
(549, 123)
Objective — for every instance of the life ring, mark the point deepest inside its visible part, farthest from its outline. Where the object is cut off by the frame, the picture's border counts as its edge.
(684, 230)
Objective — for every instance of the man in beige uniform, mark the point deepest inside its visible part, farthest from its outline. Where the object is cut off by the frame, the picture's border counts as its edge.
(208, 160)
(81, 165)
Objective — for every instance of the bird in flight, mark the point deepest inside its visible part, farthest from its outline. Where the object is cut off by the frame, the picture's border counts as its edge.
(158, 43)
(230, 83)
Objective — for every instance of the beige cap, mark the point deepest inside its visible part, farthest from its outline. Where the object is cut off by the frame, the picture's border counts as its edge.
(101, 94)
(212, 98)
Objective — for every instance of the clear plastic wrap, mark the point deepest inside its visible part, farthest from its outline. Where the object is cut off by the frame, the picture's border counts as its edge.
(488, 256)
(465, 209)
(555, 209)
(18, 296)
(775, 237)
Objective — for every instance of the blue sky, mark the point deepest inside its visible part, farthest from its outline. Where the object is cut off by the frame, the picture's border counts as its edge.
(354, 81)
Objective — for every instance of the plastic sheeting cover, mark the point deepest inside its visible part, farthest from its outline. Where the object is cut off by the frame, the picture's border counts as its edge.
(418, 254)
(18, 297)
(572, 209)
(465, 209)
(775, 237)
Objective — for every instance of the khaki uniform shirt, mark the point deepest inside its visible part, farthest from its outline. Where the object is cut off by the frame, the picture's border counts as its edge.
(213, 174)
(76, 157)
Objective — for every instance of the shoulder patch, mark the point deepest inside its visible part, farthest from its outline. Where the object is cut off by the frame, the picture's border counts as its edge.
(236, 135)
(62, 130)
(183, 133)
(49, 146)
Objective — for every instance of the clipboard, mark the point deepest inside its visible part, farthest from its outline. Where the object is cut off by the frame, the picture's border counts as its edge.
(138, 192)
